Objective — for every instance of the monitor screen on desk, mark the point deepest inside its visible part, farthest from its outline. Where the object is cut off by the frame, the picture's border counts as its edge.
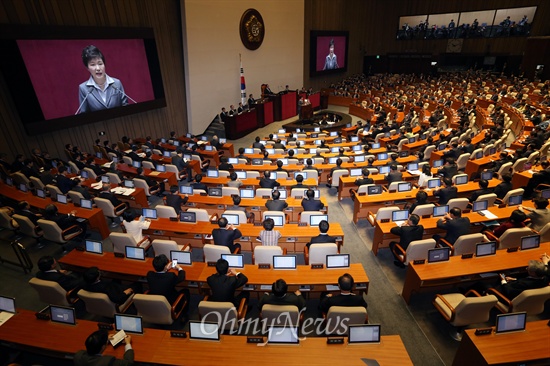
(515, 200)
(105, 179)
(382, 156)
(317, 129)
(412, 166)
(314, 220)
(303, 174)
(257, 161)
(84, 203)
(438, 163)
(160, 168)
(7, 304)
(484, 249)
(136, 164)
(434, 183)
(400, 215)
(376, 189)
(282, 193)
(84, 174)
(129, 323)
(359, 159)
(513, 322)
(209, 148)
(438, 255)
(283, 160)
(61, 198)
(334, 133)
(480, 205)
(249, 150)
(375, 145)
(530, 242)
(278, 220)
(338, 261)
(234, 260)
(241, 175)
(166, 154)
(354, 138)
(545, 193)
(223, 140)
(62, 314)
(40, 193)
(270, 151)
(316, 193)
(334, 149)
(114, 160)
(317, 142)
(440, 210)
(233, 160)
(488, 175)
(461, 179)
(135, 253)
(232, 219)
(212, 173)
(364, 333)
(333, 160)
(404, 187)
(93, 246)
(441, 147)
(412, 140)
(129, 183)
(188, 217)
(181, 256)
(280, 334)
(284, 262)
(215, 192)
(247, 193)
(404, 154)
(355, 172)
(384, 169)
(479, 155)
(149, 213)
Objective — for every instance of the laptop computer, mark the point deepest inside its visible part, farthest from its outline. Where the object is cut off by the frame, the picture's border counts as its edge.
(128, 183)
(84, 203)
(257, 161)
(209, 148)
(364, 333)
(61, 198)
(215, 191)
(355, 172)
(149, 213)
(93, 246)
(40, 193)
(404, 187)
(135, 253)
(384, 169)
(376, 189)
(160, 168)
(480, 205)
(400, 216)
(249, 150)
(337, 261)
(84, 174)
(280, 334)
(461, 179)
(105, 179)
(440, 211)
(233, 160)
(136, 164)
(314, 220)
(485, 249)
(232, 219)
(204, 331)
(438, 255)
(7, 304)
(333, 160)
(246, 193)
(334, 149)
(359, 159)
(234, 260)
(357, 148)
(186, 190)
(375, 145)
(181, 256)
(382, 156)
(62, 314)
(515, 200)
(513, 322)
(278, 220)
(241, 175)
(530, 242)
(129, 323)
(188, 217)
(438, 163)
(212, 173)
(487, 175)
(284, 262)
(434, 183)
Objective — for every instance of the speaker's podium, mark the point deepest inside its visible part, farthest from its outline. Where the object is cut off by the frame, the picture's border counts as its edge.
(306, 112)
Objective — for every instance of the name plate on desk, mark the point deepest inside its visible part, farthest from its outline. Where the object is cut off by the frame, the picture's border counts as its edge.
(512, 250)
(266, 197)
(221, 207)
(426, 216)
(173, 219)
(290, 239)
(257, 224)
(385, 220)
(317, 266)
(467, 255)
(119, 255)
(264, 266)
(203, 194)
(302, 224)
(419, 261)
(335, 340)
(245, 238)
(483, 331)
(254, 339)
(290, 209)
(105, 326)
(178, 334)
(198, 236)
(211, 264)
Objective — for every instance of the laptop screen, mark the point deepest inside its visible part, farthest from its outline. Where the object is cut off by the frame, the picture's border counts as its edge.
(400, 215)
(515, 200)
(530, 242)
(484, 249)
(149, 213)
(284, 262)
(359, 159)
(404, 187)
(61, 198)
(412, 166)
(334, 133)
(479, 154)
(136, 164)
(7, 304)
(334, 149)
(206, 331)
(278, 220)
(128, 183)
(375, 145)
(247, 193)
(438, 255)
(357, 148)
(332, 160)
(215, 192)
(440, 210)
(403, 154)
(129, 323)
(135, 253)
(283, 194)
(337, 260)
(208, 148)
(355, 172)
(317, 129)
(181, 256)
(160, 168)
(105, 179)
(480, 205)
(232, 219)
(281, 130)
(314, 220)
(384, 169)
(233, 160)
(188, 217)
(376, 189)
(282, 335)
(461, 179)
(438, 163)
(441, 147)
(434, 183)
(241, 175)
(62, 314)
(364, 333)
(270, 151)
(487, 175)
(382, 156)
(234, 260)
(93, 246)
(40, 193)
(545, 193)
(166, 154)
(513, 322)
(186, 190)
(211, 173)
(257, 161)
(23, 187)
(84, 174)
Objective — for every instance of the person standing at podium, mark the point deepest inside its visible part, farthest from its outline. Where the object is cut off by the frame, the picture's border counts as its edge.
(331, 61)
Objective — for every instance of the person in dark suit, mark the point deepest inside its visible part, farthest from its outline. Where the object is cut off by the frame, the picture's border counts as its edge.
(47, 177)
(511, 287)
(280, 296)
(454, 224)
(133, 154)
(447, 192)
(29, 169)
(483, 189)
(152, 184)
(299, 181)
(100, 91)
(468, 147)
(242, 155)
(64, 221)
(63, 183)
(275, 204)
(309, 166)
(267, 182)
(82, 190)
(225, 282)
(117, 293)
(224, 165)
(48, 271)
(449, 170)
(96, 344)
(237, 207)
(345, 298)
(90, 163)
(226, 235)
(256, 144)
(174, 199)
(181, 165)
(421, 199)
(365, 179)
(24, 209)
(163, 282)
(108, 195)
(393, 175)
(251, 101)
(323, 236)
(197, 184)
(506, 185)
(408, 232)
(454, 152)
(310, 203)
(332, 170)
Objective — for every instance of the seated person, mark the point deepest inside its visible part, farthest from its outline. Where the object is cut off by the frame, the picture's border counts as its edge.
(536, 278)
(299, 181)
(234, 180)
(449, 170)
(117, 292)
(243, 156)
(540, 215)
(309, 203)
(454, 224)
(226, 234)
(237, 207)
(393, 175)
(135, 227)
(540, 177)
(96, 344)
(65, 221)
(24, 209)
(323, 236)
(267, 182)
(64, 183)
(309, 165)
(48, 271)
(421, 199)
(82, 190)
(224, 165)
(516, 220)
(198, 185)
(257, 144)
(268, 236)
(365, 179)
(281, 296)
(408, 232)
(506, 185)
(483, 189)
(332, 170)
(225, 282)
(108, 195)
(345, 298)
(174, 199)
(163, 281)
(275, 204)
(151, 183)
(447, 192)
(425, 175)
(280, 167)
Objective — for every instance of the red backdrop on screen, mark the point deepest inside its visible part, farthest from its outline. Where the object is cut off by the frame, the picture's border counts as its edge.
(56, 70)
(323, 50)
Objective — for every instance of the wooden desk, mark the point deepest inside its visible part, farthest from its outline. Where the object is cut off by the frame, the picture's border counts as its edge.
(532, 345)
(158, 176)
(346, 182)
(95, 216)
(458, 270)
(138, 198)
(156, 346)
(251, 182)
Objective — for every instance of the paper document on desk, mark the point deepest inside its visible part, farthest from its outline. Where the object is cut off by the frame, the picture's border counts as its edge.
(128, 191)
(4, 317)
(141, 155)
(400, 223)
(107, 165)
(118, 337)
(489, 215)
(414, 172)
(97, 185)
(154, 173)
(117, 190)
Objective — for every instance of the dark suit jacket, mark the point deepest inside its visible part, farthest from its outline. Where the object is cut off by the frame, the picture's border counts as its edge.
(268, 183)
(312, 205)
(321, 238)
(223, 287)
(445, 194)
(179, 163)
(68, 282)
(394, 177)
(448, 171)
(62, 220)
(407, 234)
(28, 214)
(502, 189)
(82, 358)
(342, 300)
(115, 96)
(175, 200)
(197, 185)
(455, 228)
(164, 284)
(111, 197)
(514, 288)
(276, 205)
(225, 166)
(226, 237)
(289, 299)
(479, 192)
(114, 290)
(64, 184)
(363, 181)
(82, 191)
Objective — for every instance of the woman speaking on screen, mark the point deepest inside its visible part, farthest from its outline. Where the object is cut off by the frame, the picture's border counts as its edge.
(100, 91)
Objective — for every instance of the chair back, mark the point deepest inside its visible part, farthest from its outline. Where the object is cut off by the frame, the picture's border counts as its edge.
(165, 211)
(230, 191)
(513, 192)
(37, 183)
(261, 192)
(75, 197)
(393, 185)
(113, 178)
(545, 233)
(264, 254)
(140, 183)
(252, 174)
(223, 313)
(305, 215)
(147, 165)
(426, 209)
(418, 249)
(505, 168)
(52, 231)
(98, 303)
(454, 178)
(531, 301)
(106, 206)
(200, 213)
(161, 246)
(490, 198)
(462, 161)
(336, 176)
(461, 203)
(473, 310)
(127, 160)
(512, 237)
(26, 226)
(281, 175)
(53, 191)
(214, 252)
(241, 214)
(274, 213)
(74, 168)
(49, 292)
(339, 318)
(467, 243)
(428, 152)
(519, 164)
(385, 212)
(287, 315)
(311, 174)
(122, 240)
(6, 221)
(171, 168)
(154, 309)
(474, 153)
(20, 178)
(318, 252)
(364, 188)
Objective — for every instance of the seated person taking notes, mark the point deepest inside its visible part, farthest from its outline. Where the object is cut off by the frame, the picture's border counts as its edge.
(96, 344)
(225, 282)
(345, 298)
(226, 235)
(268, 236)
(281, 296)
